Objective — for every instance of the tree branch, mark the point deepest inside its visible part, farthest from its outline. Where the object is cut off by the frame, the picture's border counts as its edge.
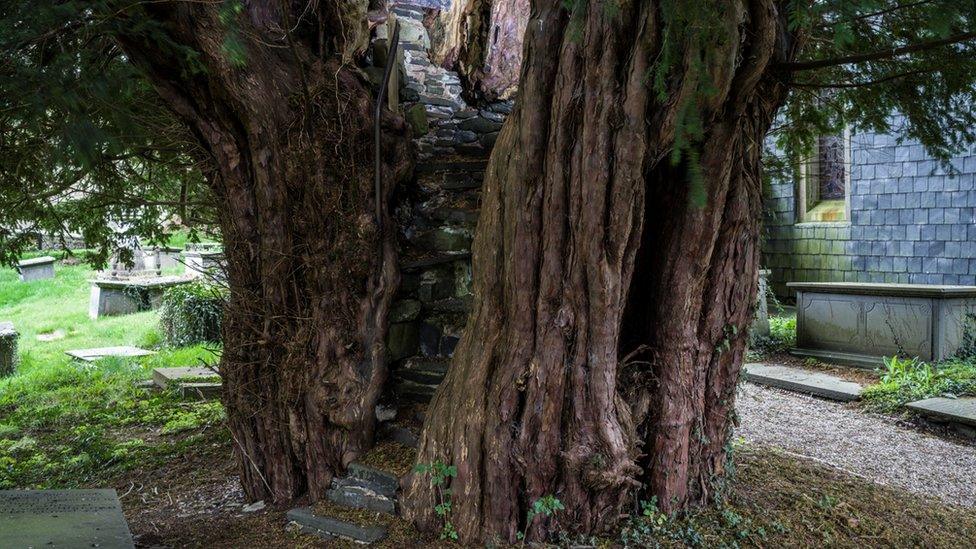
(876, 55)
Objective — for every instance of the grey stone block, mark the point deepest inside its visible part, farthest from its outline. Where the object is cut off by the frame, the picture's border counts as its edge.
(8, 348)
(63, 518)
(312, 523)
(961, 410)
(38, 268)
(803, 381)
(869, 321)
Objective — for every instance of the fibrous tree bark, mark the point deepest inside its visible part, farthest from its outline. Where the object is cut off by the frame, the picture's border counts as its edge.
(482, 41)
(614, 278)
(271, 91)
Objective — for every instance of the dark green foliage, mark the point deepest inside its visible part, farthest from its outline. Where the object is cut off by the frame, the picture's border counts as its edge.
(865, 60)
(85, 144)
(192, 313)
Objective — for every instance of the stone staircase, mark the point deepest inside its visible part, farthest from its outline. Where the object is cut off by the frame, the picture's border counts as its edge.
(436, 216)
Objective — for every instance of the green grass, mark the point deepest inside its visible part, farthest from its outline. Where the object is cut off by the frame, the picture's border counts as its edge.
(782, 336)
(907, 380)
(64, 423)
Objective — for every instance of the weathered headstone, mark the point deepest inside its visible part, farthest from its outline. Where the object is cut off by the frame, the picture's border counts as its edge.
(62, 518)
(162, 257)
(91, 355)
(123, 296)
(760, 324)
(8, 348)
(205, 262)
(38, 268)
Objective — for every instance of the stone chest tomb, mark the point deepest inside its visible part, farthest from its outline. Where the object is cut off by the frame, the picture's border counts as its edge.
(38, 268)
(859, 323)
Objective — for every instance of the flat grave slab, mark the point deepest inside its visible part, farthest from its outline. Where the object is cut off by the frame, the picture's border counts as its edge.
(803, 381)
(192, 382)
(62, 518)
(91, 355)
(959, 410)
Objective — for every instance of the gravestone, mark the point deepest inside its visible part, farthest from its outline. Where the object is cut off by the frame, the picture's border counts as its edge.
(91, 355)
(162, 257)
(859, 323)
(126, 295)
(8, 348)
(191, 382)
(760, 324)
(38, 268)
(62, 518)
(204, 262)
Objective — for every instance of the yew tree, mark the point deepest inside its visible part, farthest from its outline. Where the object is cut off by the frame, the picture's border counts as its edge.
(616, 255)
(273, 134)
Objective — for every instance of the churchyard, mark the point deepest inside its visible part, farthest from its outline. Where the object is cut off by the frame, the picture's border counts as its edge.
(105, 423)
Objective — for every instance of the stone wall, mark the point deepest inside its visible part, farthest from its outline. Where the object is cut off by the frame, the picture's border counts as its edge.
(910, 222)
(436, 213)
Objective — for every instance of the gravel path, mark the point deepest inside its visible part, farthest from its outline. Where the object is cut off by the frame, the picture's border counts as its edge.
(858, 442)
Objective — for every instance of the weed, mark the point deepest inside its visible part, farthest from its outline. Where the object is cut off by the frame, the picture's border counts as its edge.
(440, 478)
(905, 380)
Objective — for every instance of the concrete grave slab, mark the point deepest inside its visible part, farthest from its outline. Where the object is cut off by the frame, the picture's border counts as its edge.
(958, 410)
(62, 518)
(38, 268)
(803, 381)
(91, 355)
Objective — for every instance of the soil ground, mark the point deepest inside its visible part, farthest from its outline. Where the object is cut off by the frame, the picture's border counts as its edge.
(776, 500)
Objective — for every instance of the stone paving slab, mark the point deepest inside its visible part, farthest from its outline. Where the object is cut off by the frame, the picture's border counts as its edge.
(329, 527)
(90, 355)
(803, 381)
(961, 410)
(62, 518)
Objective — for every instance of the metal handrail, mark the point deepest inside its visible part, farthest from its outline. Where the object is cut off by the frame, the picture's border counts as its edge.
(377, 181)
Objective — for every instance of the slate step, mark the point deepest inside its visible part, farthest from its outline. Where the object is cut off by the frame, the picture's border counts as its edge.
(803, 381)
(957, 410)
(385, 483)
(452, 166)
(432, 260)
(410, 391)
(400, 435)
(359, 497)
(423, 371)
(329, 528)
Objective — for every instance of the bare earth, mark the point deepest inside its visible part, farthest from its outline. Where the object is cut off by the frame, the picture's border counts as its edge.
(860, 443)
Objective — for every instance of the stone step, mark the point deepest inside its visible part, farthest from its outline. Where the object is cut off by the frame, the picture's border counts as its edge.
(423, 371)
(348, 493)
(957, 410)
(411, 391)
(803, 381)
(432, 260)
(399, 434)
(443, 239)
(477, 165)
(328, 528)
(384, 482)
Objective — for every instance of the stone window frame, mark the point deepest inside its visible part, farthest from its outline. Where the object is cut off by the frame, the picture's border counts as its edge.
(807, 173)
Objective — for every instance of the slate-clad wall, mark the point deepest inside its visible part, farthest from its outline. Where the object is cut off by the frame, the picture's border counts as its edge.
(910, 222)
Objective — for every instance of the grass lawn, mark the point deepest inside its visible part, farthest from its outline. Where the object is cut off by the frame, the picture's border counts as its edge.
(65, 423)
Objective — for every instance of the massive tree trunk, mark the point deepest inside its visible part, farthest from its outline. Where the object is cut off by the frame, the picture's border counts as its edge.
(613, 285)
(482, 41)
(287, 122)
